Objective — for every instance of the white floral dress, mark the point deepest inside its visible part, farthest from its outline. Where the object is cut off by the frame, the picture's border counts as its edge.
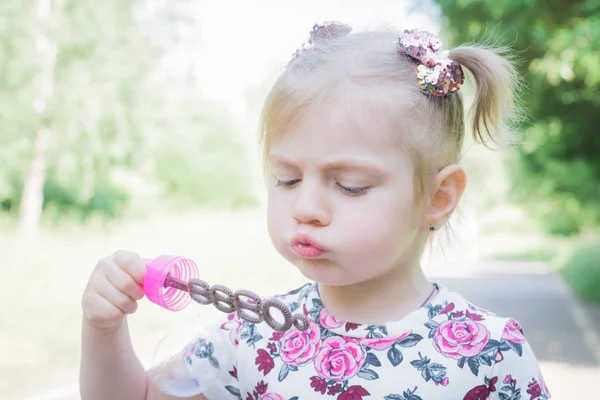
(448, 349)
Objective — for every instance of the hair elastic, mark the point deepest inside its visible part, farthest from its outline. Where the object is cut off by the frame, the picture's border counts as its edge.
(327, 30)
(438, 75)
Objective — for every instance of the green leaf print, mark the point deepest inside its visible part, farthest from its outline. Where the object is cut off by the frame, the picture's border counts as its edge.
(395, 356)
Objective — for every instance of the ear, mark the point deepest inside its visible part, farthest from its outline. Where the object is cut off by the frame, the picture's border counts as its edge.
(449, 185)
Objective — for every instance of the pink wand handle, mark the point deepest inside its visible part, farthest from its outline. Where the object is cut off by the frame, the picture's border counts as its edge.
(166, 280)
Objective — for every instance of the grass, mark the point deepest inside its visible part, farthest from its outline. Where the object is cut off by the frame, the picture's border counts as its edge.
(581, 269)
(528, 247)
(509, 234)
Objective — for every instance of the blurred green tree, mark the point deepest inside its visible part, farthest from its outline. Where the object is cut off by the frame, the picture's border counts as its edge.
(556, 171)
(93, 120)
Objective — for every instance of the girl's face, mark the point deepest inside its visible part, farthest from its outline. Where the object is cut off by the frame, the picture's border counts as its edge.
(341, 200)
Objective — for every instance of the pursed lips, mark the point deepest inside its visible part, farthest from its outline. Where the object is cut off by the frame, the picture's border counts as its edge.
(307, 247)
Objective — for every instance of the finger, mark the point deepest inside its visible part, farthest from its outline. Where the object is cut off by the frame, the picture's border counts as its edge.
(98, 309)
(125, 283)
(116, 297)
(131, 263)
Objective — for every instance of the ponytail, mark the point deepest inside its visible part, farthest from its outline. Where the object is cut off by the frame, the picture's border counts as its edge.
(494, 103)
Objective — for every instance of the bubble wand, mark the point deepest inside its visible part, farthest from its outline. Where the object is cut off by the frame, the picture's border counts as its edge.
(173, 282)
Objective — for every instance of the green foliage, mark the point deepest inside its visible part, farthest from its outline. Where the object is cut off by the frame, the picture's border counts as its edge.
(127, 133)
(582, 269)
(556, 172)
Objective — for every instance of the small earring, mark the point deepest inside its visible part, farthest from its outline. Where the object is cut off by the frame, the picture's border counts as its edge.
(431, 228)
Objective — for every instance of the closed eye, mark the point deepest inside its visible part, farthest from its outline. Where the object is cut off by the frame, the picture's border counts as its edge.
(353, 191)
(350, 191)
(287, 183)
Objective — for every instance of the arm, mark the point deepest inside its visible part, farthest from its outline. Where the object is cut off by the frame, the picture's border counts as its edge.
(109, 367)
(155, 394)
(111, 370)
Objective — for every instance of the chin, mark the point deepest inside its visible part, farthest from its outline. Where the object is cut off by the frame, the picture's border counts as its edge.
(322, 271)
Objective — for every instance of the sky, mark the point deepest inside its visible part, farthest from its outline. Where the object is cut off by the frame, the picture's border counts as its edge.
(241, 41)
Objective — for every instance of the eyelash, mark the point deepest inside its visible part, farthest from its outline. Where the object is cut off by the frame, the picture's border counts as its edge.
(346, 190)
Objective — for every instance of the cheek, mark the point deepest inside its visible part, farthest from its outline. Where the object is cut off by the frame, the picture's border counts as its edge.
(276, 215)
(381, 224)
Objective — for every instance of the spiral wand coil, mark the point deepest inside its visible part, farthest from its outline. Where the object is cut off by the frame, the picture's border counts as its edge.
(172, 282)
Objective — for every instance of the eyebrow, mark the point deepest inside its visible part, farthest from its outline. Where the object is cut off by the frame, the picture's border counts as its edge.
(335, 165)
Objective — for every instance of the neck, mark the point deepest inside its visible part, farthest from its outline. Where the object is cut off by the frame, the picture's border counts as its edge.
(389, 297)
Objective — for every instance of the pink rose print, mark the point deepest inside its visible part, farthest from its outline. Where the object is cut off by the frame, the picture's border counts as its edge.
(513, 332)
(339, 359)
(299, 347)
(354, 393)
(264, 361)
(233, 325)
(457, 339)
(383, 343)
(272, 396)
(508, 379)
(329, 321)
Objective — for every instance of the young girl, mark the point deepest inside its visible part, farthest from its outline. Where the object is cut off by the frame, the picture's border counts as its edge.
(362, 136)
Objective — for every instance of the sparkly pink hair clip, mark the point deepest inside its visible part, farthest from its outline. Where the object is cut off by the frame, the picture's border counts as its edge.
(438, 75)
(320, 32)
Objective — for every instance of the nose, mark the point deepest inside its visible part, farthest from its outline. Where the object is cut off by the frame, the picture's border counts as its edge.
(311, 206)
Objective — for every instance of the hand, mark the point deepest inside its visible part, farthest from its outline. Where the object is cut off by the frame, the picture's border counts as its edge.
(113, 290)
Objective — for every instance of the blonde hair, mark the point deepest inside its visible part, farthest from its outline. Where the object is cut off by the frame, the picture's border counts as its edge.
(430, 129)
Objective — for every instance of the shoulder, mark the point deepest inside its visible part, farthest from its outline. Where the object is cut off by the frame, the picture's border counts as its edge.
(474, 335)
(479, 338)
(458, 308)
